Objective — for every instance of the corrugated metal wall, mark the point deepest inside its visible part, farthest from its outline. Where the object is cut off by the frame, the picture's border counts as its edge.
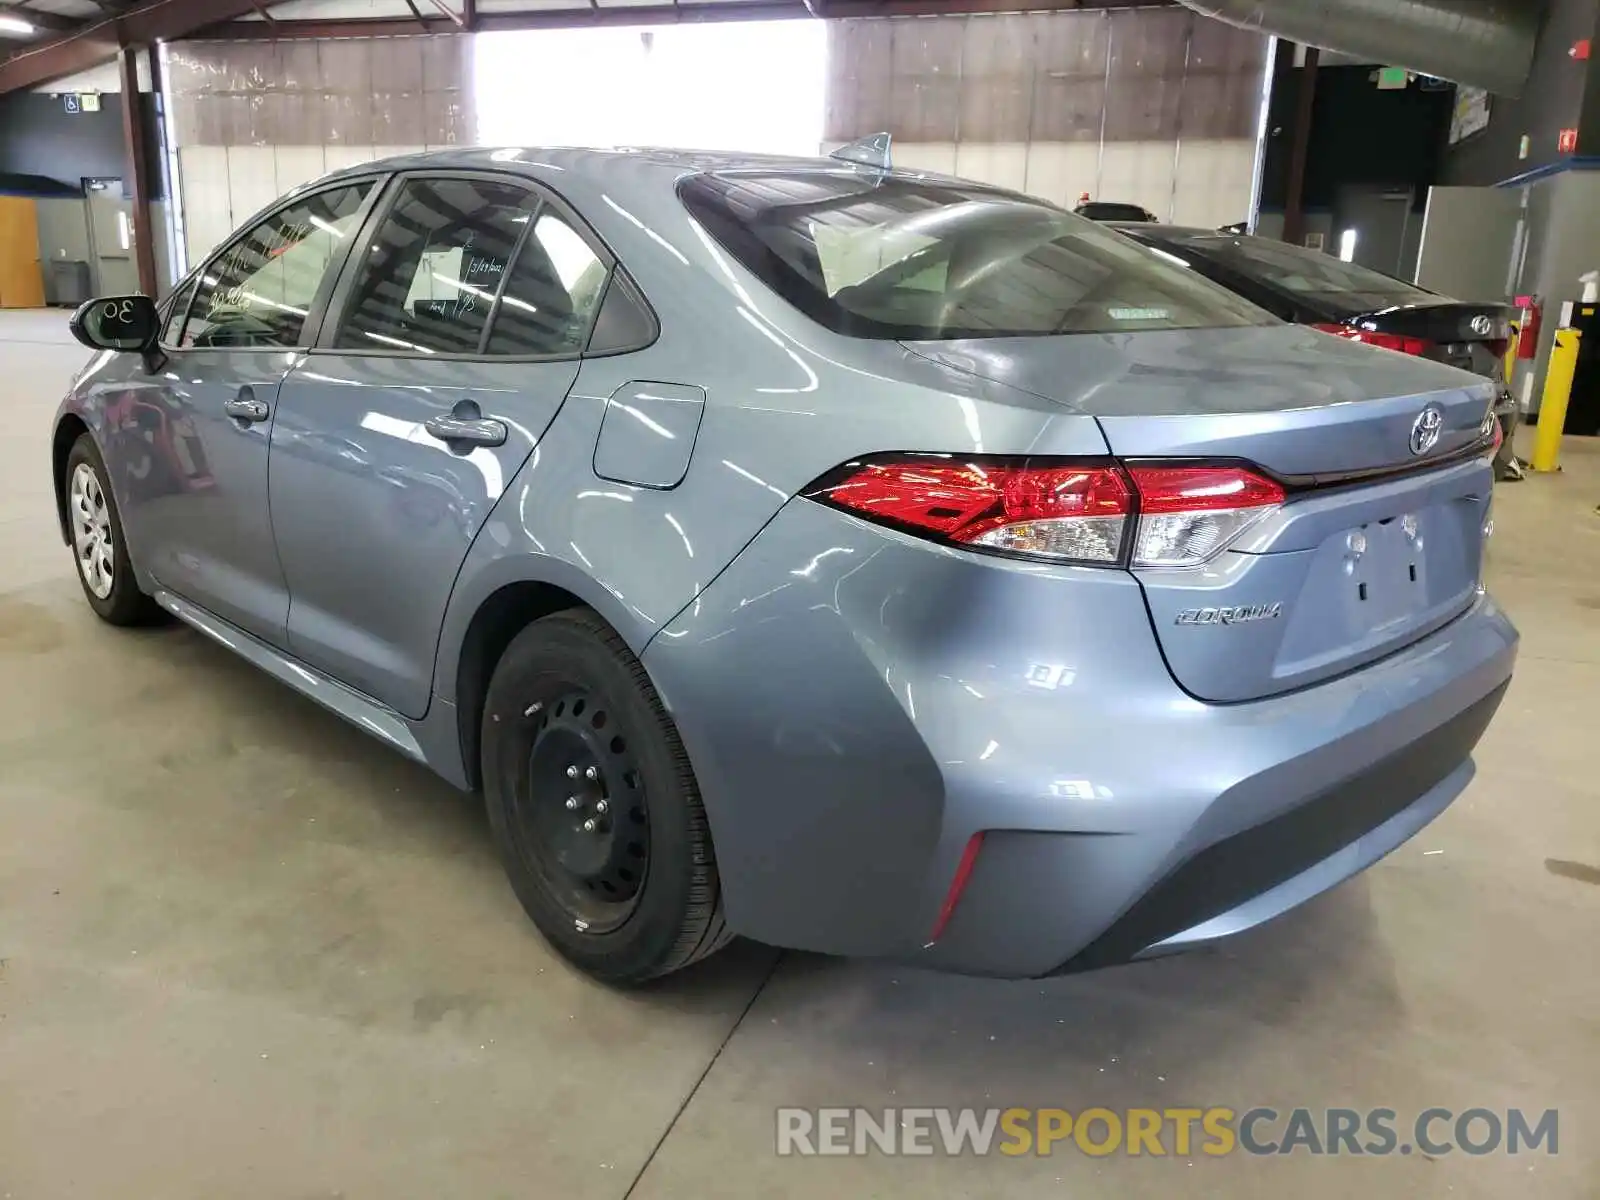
(1152, 106)
(254, 119)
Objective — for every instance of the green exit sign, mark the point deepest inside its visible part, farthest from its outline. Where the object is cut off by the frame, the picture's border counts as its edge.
(1392, 77)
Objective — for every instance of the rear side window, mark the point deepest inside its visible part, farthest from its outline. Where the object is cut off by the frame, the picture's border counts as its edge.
(434, 267)
(550, 299)
(1301, 272)
(898, 257)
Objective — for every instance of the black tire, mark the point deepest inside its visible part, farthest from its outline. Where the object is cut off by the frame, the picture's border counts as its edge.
(637, 896)
(124, 603)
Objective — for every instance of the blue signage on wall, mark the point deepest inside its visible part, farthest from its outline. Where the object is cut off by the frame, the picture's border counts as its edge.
(70, 102)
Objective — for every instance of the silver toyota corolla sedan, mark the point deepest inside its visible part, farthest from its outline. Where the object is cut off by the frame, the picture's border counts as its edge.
(857, 560)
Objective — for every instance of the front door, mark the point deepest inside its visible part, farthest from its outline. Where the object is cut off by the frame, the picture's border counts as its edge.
(461, 330)
(205, 525)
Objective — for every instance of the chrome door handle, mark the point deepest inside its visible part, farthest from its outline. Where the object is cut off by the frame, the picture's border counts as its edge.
(469, 431)
(245, 408)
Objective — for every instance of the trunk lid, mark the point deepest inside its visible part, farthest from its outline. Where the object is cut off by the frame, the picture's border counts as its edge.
(1470, 336)
(1370, 552)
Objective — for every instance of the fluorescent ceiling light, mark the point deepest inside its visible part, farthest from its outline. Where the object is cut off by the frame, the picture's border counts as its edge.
(14, 25)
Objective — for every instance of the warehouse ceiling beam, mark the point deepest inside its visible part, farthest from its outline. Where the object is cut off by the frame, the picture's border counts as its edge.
(50, 22)
(449, 12)
(101, 40)
(673, 13)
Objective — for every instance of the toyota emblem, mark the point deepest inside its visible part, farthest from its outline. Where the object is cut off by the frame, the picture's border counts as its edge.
(1482, 325)
(1426, 428)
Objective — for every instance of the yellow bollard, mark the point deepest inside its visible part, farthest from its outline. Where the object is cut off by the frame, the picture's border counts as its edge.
(1553, 403)
(1509, 366)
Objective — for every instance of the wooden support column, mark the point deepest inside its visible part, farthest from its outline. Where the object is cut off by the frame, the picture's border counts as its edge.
(1294, 216)
(135, 152)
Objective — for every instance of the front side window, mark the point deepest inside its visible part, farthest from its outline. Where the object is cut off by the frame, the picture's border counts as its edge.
(435, 267)
(257, 293)
(177, 310)
(897, 257)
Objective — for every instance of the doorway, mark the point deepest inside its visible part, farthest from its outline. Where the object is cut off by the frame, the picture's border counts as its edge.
(1379, 228)
(110, 221)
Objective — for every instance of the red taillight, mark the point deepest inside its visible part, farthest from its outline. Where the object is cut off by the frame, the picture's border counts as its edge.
(1196, 489)
(1385, 341)
(1061, 510)
(1076, 512)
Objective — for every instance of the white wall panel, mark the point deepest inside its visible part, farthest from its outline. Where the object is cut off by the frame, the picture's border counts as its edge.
(1137, 173)
(1214, 180)
(252, 179)
(1004, 164)
(207, 208)
(299, 164)
(1196, 182)
(1062, 171)
(336, 158)
(925, 156)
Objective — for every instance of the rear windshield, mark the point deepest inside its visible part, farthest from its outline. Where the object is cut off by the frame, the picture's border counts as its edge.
(895, 257)
(1302, 272)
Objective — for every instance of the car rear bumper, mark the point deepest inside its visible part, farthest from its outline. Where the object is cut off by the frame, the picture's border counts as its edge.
(858, 705)
(1262, 871)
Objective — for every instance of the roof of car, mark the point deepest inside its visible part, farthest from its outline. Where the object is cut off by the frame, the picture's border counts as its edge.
(601, 164)
(1168, 231)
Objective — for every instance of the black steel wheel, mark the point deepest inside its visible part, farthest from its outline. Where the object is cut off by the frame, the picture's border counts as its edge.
(594, 806)
(580, 810)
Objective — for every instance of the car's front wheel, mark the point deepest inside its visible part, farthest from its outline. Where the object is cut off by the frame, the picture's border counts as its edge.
(594, 806)
(98, 547)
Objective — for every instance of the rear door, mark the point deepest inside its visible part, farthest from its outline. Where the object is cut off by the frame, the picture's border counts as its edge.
(448, 349)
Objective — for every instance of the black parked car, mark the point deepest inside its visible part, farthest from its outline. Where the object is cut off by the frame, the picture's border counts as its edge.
(1355, 302)
(1112, 210)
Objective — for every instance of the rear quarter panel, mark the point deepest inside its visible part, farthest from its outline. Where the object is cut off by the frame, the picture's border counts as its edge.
(784, 402)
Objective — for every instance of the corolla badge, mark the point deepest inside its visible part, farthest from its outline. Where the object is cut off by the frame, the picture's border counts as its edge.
(1426, 428)
(1233, 615)
(1481, 325)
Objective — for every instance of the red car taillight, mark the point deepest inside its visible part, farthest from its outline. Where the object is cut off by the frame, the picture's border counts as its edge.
(1387, 341)
(1092, 513)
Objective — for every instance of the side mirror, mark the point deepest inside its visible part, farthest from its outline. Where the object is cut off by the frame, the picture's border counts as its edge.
(127, 323)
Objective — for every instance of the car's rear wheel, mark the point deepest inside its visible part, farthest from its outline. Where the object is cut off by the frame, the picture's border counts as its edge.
(594, 806)
(98, 547)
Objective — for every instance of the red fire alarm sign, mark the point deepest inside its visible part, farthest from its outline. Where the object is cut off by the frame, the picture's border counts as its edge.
(1567, 142)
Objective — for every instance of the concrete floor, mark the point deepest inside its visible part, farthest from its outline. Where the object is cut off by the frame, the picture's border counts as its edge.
(246, 952)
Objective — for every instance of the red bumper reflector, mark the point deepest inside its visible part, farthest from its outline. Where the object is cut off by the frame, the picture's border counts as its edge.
(958, 884)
